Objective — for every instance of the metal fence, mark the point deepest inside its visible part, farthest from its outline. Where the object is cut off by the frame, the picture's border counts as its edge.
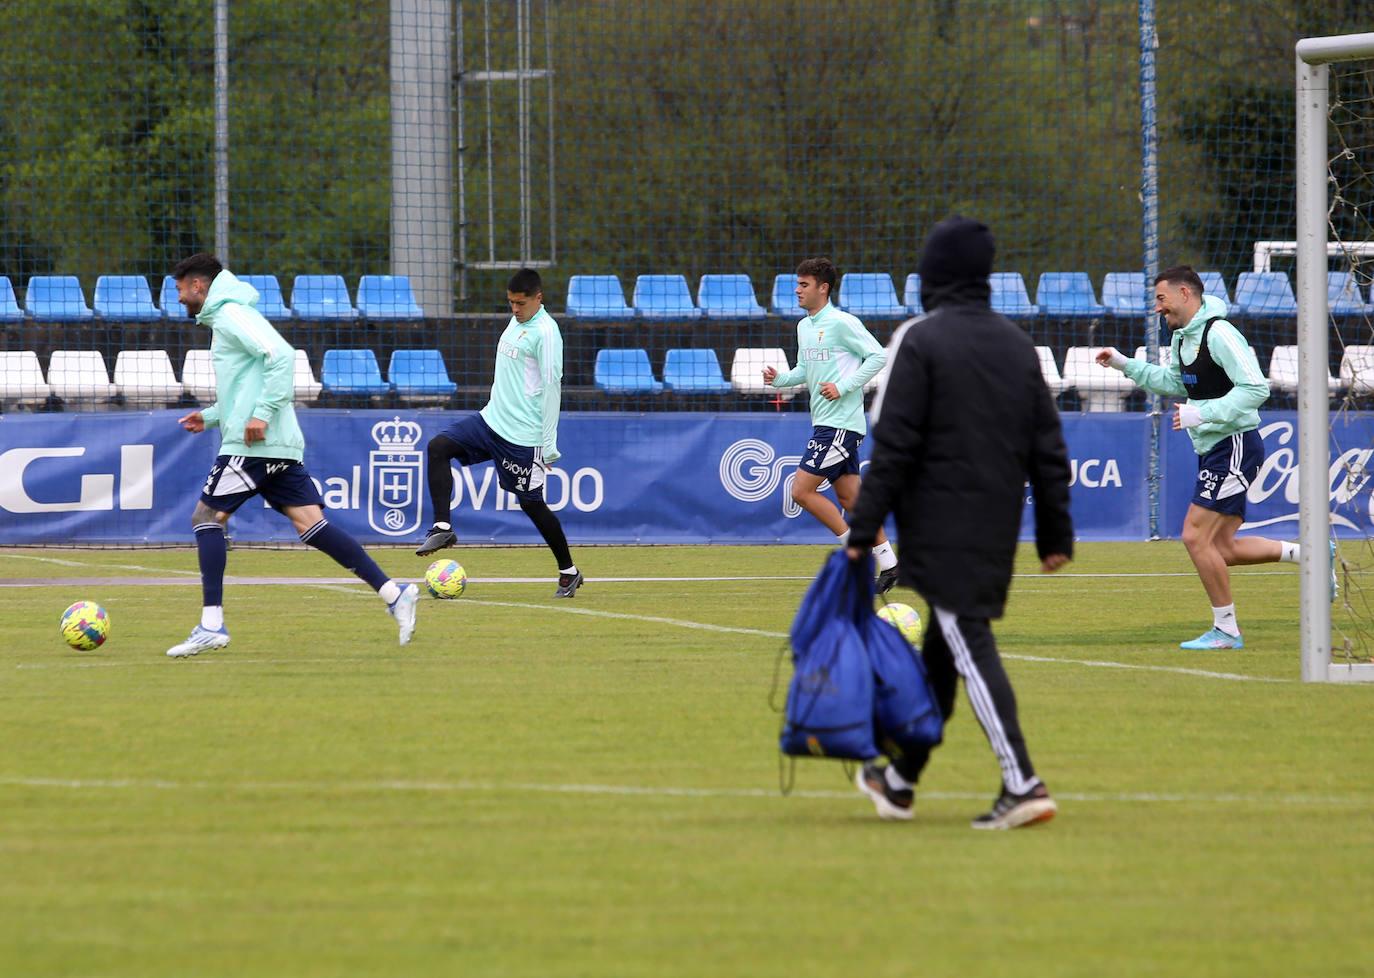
(644, 156)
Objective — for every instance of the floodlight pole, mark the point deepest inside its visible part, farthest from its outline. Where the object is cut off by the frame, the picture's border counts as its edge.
(222, 130)
(1149, 200)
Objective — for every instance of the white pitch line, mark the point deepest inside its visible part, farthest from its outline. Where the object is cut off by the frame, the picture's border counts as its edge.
(1267, 800)
(676, 623)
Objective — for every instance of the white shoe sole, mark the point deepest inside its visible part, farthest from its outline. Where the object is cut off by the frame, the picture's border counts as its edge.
(186, 648)
(1027, 813)
(886, 810)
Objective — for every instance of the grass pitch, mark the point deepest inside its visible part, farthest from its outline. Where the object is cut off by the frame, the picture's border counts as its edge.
(585, 788)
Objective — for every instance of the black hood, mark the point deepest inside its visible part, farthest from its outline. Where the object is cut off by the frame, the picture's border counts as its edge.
(956, 261)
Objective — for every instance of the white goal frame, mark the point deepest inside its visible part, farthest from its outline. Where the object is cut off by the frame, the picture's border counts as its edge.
(1314, 445)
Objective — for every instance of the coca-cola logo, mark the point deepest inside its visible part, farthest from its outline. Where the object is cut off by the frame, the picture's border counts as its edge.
(1277, 480)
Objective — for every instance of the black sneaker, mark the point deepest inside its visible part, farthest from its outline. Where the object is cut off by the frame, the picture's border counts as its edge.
(437, 540)
(568, 585)
(887, 580)
(1011, 811)
(891, 804)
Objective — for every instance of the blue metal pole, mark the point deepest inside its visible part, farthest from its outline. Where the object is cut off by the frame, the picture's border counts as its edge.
(1149, 232)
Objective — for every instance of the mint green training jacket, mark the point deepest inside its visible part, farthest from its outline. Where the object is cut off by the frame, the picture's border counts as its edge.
(254, 373)
(835, 347)
(1236, 411)
(527, 385)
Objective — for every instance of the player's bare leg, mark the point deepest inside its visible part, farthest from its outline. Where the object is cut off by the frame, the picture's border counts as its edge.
(1209, 536)
(805, 493)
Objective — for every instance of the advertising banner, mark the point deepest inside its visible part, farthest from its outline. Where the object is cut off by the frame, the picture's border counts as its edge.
(662, 478)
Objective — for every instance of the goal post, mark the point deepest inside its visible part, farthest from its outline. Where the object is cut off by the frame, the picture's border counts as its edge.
(1314, 54)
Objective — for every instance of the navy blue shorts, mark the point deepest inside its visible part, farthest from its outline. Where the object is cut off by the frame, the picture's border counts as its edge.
(832, 452)
(235, 479)
(1224, 474)
(519, 468)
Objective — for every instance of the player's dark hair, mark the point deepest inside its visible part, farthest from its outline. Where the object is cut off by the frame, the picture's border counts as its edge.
(822, 270)
(526, 281)
(1181, 275)
(201, 263)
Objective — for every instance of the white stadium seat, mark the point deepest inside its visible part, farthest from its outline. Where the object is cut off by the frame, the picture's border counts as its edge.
(80, 377)
(21, 379)
(1166, 354)
(1099, 388)
(306, 386)
(1049, 369)
(1357, 369)
(1283, 372)
(146, 378)
(746, 371)
(198, 376)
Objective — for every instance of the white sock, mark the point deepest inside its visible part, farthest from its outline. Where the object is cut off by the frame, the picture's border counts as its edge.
(1225, 619)
(843, 538)
(883, 554)
(212, 617)
(569, 571)
(442, 526)
(389, 592)
(894, 780)
(1290, 552)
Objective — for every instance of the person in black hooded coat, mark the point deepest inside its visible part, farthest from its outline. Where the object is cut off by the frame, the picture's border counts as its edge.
(963, 423)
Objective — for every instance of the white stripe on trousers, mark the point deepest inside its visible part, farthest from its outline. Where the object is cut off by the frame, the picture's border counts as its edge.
(1235, 478)
(979, 695)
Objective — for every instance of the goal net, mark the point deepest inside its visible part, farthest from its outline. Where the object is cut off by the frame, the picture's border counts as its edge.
(1334, 250)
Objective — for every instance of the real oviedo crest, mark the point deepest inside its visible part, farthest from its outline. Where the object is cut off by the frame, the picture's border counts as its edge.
(394, 478)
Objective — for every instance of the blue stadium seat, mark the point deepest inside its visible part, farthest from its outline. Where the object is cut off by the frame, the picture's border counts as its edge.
(387, 297)
(784, 301)
(1264, 294)
(1067, 294)
(57, 298)
(419, 373)
(870, 294)
(728, 297)
(625, 372)
(9, 306)
(1214, 284)
(597, 297)
(321, 297)
(167, 300)
(1009, 295)
(1343, 294)
(125, 298)
(911, 295)
(694, 372)
(1123, 293)
(271, 303)
(352, 372)
(664, 297)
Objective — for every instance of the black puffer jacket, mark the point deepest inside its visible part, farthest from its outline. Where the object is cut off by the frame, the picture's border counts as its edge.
(964, 422)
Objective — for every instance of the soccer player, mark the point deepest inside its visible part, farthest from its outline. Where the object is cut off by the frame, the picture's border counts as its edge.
(518, 429)
(261, 447)
(1215, 368)
(836, 356)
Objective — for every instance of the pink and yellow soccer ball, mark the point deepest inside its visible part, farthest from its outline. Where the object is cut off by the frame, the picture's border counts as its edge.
(904, 618)
(85, 626)
(446, 579)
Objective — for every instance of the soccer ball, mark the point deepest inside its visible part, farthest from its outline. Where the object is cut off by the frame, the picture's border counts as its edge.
(446, 579)
(904, 618)
(85, 626)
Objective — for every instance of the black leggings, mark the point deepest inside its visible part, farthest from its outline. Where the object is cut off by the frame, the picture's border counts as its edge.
(441, 451)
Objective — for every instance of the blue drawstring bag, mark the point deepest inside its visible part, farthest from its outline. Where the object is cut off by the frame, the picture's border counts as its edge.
(829, 710)
(904, 708)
